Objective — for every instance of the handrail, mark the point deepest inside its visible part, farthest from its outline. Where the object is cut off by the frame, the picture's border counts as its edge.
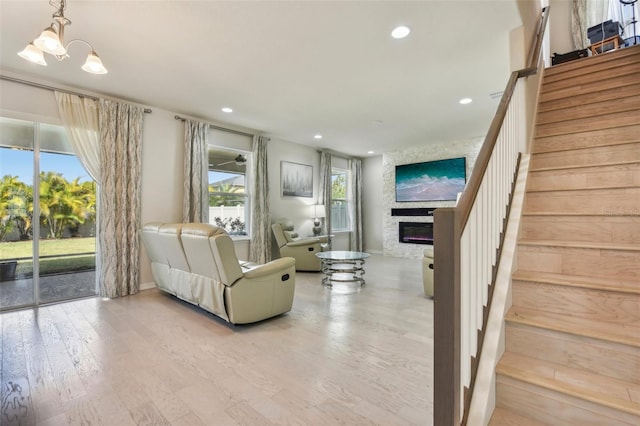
(449, 230)
(468, 197)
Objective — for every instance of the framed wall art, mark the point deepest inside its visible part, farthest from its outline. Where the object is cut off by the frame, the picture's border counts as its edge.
(296, 179)
(438, 180)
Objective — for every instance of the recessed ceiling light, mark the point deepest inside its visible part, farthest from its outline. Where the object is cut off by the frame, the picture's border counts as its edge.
(317, 136)
(371, 152)
(227, 110)
(465, 101)
(400, 32)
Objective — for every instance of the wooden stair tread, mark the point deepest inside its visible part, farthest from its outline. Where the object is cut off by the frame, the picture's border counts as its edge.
(606, 391)
(625, 78)
(585, 188)
(583, 166)
(597, 283)
(594, 69)
(587, 139)
(624, 103)
(581, 214)
(590, 83)
(599, 122)
(595, 191)
(618, 333)
(581, 244)
(583, 63)
(504, 417)
(579, 101)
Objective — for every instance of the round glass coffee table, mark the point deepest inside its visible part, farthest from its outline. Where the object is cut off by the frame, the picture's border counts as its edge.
(342, 266)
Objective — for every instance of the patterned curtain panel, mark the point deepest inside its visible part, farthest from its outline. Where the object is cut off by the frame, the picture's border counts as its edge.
(578, 23)
(355, 203)
(80, 119)
(324, 189)
(119, 212)
(195, 203)
(260, 249)
(585, 14)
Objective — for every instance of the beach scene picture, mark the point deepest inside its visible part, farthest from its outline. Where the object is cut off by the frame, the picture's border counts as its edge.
(440, 180)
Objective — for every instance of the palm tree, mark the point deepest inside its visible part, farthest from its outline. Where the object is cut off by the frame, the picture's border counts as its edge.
(6, 194)
(64, 204)
(16, 206)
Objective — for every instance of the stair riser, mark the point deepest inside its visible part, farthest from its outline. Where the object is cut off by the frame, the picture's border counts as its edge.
(554, 408)
(580, 101)
(591, 80)
(625, 201)
(604, 121)
(575, 351)
(592, 229)
(589, 111)
(609, 306)
(592, 177)
(630, 77)
(612, 264)
(610, 138)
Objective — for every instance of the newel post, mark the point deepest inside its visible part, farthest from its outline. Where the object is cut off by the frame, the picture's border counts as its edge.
(446, 318)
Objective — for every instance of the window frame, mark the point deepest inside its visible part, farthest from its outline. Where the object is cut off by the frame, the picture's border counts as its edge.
(335, 171)
(246, 195)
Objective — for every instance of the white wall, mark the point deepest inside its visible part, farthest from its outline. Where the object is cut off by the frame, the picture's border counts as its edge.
(162, 157)
(297, 209)
(560, 26)
(372, 204)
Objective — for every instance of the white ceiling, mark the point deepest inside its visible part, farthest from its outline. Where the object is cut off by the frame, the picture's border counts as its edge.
(290, 69)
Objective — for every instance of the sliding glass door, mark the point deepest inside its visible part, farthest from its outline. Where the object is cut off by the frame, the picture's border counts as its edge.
(47, 217)
(17, 145)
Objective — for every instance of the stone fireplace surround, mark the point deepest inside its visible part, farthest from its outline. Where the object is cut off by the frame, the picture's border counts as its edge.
(468, 148)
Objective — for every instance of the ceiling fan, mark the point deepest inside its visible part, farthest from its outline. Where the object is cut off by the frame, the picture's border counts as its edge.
(240, 160)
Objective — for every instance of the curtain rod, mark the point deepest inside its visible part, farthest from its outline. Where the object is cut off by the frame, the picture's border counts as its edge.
(338, 154)
(55, 89)
(224, 129)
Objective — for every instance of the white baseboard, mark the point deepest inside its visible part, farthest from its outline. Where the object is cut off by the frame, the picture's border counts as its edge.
(148, 286)
(374, 251)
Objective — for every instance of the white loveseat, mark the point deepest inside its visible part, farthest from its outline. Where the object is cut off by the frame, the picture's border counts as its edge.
(197, 263)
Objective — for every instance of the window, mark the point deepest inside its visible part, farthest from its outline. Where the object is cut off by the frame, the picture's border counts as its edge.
(339, 206)
(228, 195)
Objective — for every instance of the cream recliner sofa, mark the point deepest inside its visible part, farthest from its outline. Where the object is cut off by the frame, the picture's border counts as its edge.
(303, 250)
(197, 263)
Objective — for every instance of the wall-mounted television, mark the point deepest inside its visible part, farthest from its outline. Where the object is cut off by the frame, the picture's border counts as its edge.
(439, 180)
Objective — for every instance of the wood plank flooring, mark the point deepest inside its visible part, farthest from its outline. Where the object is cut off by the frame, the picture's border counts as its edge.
(341, 356)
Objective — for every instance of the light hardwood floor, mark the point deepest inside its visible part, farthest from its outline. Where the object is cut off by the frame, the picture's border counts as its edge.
(339, 357)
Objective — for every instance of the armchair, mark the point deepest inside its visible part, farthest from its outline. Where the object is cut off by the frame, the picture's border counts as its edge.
(303, 250)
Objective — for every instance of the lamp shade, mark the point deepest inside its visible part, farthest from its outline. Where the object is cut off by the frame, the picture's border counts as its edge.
(94, 65)
(50, 42)
(318, 210)
(32, 54)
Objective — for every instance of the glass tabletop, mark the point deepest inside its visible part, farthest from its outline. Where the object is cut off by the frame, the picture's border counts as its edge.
(342, 255)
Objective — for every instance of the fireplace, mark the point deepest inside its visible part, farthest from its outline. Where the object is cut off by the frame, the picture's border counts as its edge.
(416, 232)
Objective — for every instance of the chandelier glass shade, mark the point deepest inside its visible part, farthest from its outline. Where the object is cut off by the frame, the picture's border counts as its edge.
(51, 41)
(32, 54)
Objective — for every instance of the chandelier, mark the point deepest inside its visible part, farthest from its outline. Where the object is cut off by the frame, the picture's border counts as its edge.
(52, 41)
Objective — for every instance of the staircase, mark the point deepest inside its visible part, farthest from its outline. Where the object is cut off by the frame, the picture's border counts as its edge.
(572, 354)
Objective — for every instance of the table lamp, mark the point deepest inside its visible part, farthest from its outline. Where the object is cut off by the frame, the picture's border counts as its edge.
(318, 213)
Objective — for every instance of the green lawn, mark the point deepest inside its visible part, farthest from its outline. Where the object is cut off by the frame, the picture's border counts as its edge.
(63, 249)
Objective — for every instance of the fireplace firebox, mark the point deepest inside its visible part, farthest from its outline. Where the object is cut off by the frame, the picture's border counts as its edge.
(416, 232)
